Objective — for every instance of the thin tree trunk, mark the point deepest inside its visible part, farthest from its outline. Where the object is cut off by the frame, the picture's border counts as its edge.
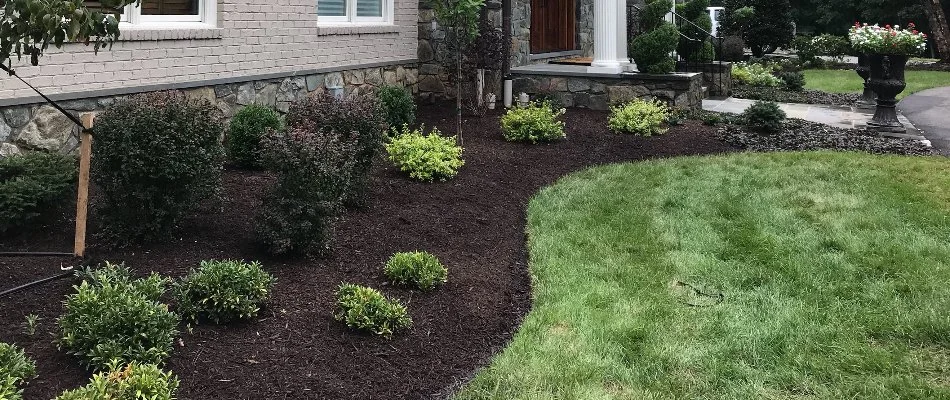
(458, 95)
(940, 28)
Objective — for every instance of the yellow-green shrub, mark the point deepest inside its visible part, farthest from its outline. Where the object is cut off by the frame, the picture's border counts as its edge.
(536, 122)
(425, 157)
(416, 268)
(639, 117)
(130, 382)
(367, 309)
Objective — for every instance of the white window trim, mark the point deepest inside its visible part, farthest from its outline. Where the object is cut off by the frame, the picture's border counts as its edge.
(207, 18)
(350, 19)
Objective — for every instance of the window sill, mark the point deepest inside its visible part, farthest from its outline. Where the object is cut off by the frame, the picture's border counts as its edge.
(357, 29)
(168, 31)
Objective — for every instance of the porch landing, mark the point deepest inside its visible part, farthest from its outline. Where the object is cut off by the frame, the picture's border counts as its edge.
(574, 86)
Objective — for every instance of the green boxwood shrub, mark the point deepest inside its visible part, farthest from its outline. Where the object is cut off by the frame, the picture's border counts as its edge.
(223, 291)
(112, 316)
(733, 48)
(16, 369)
(365, 308)
(534, 123)
(764, 116)
(248, 126)
(358, 121)
(425, 157)
(794, 81)
(158, 156)
(651, 50)
(32, 184)
(417, 268)
(398, 105)
(314, 170)
(133, 381)
(639, 117)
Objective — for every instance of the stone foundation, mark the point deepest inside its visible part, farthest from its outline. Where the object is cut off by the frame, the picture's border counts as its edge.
(42, 127)
(717, 76)
(598, 92)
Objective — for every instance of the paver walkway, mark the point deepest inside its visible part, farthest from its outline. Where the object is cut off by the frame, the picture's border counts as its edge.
(838, 116)
(930, 112)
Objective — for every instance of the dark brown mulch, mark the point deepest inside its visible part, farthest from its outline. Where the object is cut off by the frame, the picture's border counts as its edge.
(474, 223)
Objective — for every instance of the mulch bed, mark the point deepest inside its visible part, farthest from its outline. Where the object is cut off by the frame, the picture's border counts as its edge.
(801, 135)
(474, 223)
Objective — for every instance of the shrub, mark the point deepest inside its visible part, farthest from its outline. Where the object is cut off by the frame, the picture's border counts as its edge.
(425, 157)
(651, 50)
(537, 122)
(754, 74)
(358, 121)
(809, 48)
(711, 119)
(794, 81)
(15, 370)
(733, 48)
(130, 382)
(398, 106)
(32, 184)
(223, 291)
(764, 116)
(112, 316)
(158, 156)
(313, 171)
(248, 126)
(367, 309)
(639, 117)
(417, 268)
(764, 24)
(694, 41)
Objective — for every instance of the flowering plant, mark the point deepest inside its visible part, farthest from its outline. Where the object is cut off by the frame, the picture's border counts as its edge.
(873, 39)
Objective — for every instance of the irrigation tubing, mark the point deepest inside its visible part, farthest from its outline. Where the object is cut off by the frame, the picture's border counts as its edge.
(36, 282)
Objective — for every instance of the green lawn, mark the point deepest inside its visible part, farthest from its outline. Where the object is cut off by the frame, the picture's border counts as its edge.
(834, 270)
(842, 81)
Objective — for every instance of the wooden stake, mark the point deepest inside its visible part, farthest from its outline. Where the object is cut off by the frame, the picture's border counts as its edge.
(82, 201)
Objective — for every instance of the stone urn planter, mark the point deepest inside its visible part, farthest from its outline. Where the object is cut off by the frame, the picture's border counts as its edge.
(887, 80)
(864, 71)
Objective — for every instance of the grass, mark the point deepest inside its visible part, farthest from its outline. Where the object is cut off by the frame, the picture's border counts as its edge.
(847, 81)
(833, 270)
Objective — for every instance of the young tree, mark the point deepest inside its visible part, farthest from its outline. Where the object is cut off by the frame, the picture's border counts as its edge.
(939, 27)
(460, 20)
(769, 27)
(28, 27)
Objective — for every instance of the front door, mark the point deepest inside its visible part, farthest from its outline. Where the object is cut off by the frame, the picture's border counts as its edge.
(552, 26)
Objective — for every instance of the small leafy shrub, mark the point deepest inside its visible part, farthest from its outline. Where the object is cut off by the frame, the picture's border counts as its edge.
(398, 106)
(754, 74)
(794, 81)
(418, 268)
(764, 116)
(134, 381)
(15, 370)
(158, 157)
(223, 291)
(358, 122)
(367, 309)
(809, 48)
(537, 122)
(248, 126)
(733, 48)
(651, 50)
(112, 316)
(32, 184)
(711, 119)
(639, 117)
(425, 157)
(313, 171)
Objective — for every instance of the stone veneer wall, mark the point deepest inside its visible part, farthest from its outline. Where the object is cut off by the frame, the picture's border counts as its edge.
(599, 92)
(717, 76)
(42, 127)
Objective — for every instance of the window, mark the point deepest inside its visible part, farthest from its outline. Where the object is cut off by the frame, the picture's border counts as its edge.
(183, 12)
(354, 11)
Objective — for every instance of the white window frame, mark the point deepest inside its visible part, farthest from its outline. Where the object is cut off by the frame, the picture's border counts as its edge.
(351, 19)
(206, 18)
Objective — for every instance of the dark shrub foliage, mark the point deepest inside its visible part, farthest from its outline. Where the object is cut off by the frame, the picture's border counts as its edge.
(358, 121)
(651, 50)
(398, 106)
(701, 47)
(248, 126)
(764, 116)
(733, 48)
(763, 24)
(794, 81)
(223, 291)
(33, 183)
(133, 381)
(15, 370)
(365, 308)
(314, 169)
(157, 157)
(112, 316)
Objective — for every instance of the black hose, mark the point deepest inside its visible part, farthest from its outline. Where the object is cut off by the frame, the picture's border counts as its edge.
(34, 283)
(33, 254)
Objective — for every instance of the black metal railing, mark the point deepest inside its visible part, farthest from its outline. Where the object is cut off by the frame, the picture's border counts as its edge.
(689, 53)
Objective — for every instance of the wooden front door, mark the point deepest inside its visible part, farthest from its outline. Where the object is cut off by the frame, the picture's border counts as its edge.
(552, 26)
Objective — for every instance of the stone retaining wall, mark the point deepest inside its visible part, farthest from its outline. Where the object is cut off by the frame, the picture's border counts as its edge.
(42, 127)
(599, 92)
(717, 76)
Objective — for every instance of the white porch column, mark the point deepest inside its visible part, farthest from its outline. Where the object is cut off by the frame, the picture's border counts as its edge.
(605, 37)
(622, 44)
